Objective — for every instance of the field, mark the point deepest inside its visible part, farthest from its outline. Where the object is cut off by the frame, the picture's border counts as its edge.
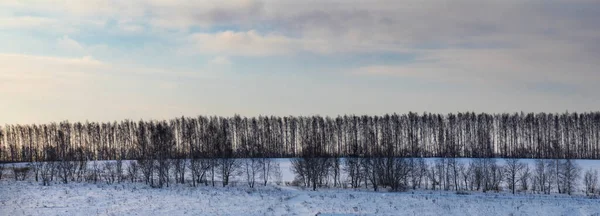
(31, 198)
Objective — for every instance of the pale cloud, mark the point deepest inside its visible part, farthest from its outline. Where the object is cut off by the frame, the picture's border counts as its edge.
(254, 43)
(182, 14)
(43, 88)
(27, 22)
(37, 77)
(249, 43)
(44, 75)
(69, 44)
(18, 59)
(497, 68)
(129, 28)
(220, 60)
(167, 85)
(331, 27)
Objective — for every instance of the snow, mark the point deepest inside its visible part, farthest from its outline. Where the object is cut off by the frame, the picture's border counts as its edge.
(31, 198)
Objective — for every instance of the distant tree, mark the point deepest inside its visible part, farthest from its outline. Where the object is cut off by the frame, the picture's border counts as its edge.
(418, 172)
(247, 137)
(399, 175)
(267, 168)
(524, 178)
(495, 175)
(352, 168)
(544, 176)
(20, 173)
(226, 163)
(568, 175)
(590, 181)
(312, 172)
(109, 172)
(47, 171)
(145, 153)
(162, 143)
(132, 171)
(65, 163)
(373, 168)
(2, 159)
(433, 175)
(512, 170)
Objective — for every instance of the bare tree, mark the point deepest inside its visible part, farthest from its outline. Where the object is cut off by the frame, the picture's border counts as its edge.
(336, 171)
(119, 170)
(492, 175)
(352, 167)
(568, 175)
(434, 176)
(20, 173)
(47, 171)
(440, 166)
(399, 175)
(590, 181)
(179, 166)
(512, 169)
(418, 172)
(251, 167)
(374, 168)
(312, 172)
(268, 168)
(109, 172)
(95, 173)
(468, 177)
(544, 176)
(227, 168)
(198, 168)
(132, 171)
(162, 142)
(524, 178)
(65, 164)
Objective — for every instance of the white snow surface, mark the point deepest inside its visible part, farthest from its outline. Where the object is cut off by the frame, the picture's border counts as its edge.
(31, 198)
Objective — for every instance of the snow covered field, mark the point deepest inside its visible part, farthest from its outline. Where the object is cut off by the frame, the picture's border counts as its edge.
(30, 198)
(27, 198)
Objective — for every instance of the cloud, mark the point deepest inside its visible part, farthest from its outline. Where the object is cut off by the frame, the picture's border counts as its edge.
(38, 77)
(41, 61)
(44, 75)
(26, 22)
(541, 64)
(556, 37)
(254, 43)
(250, 43)
(205, 14)
(131, 28)
(220, 60)
(43, 88)
(69, 44)
(330, 27)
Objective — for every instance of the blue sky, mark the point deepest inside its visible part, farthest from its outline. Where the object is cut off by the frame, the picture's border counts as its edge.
(110, 60)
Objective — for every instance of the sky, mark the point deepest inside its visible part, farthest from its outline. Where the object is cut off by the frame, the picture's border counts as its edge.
(109, 60)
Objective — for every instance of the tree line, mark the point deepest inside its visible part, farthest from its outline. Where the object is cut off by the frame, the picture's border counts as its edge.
(540, 176)
(517, 135)
(543, 176)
